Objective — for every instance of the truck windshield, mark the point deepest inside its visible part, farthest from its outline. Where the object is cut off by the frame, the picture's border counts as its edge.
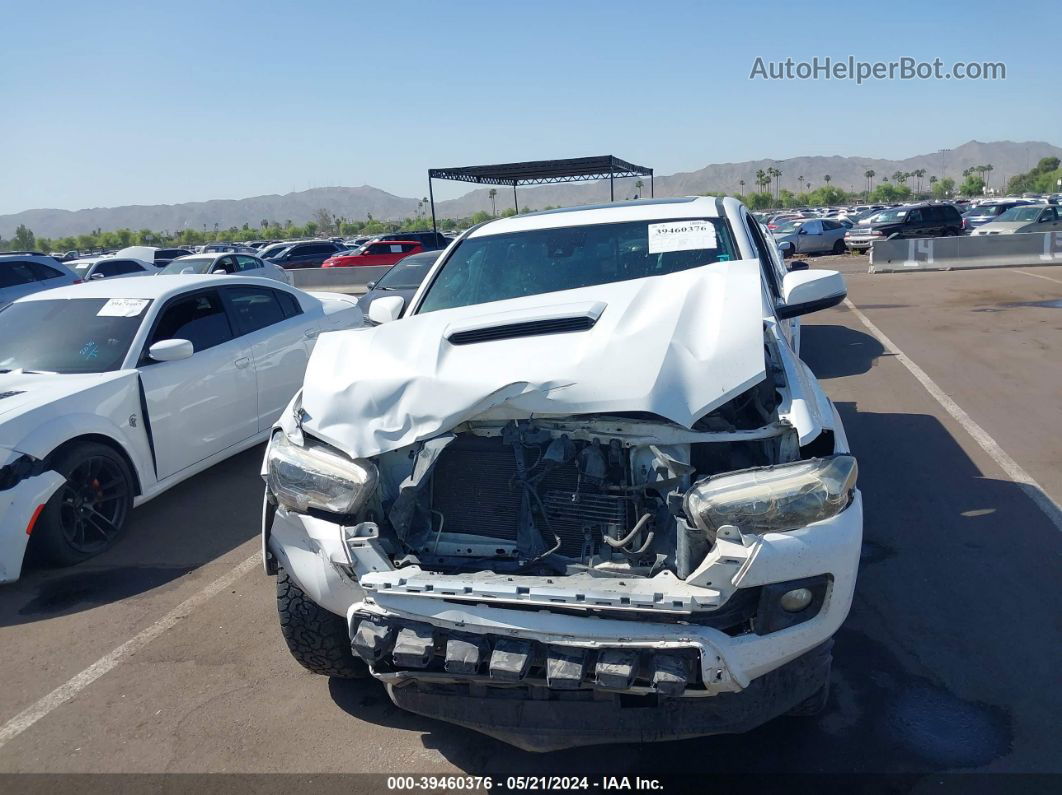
(532, 262)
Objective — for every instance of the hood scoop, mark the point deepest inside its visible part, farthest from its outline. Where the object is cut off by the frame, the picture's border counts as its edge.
(529, 322)
(11, 394)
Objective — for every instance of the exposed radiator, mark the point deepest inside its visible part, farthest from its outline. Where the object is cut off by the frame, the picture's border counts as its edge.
(474, 486)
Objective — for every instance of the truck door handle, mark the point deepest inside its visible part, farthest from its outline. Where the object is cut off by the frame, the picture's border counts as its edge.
(242, 362)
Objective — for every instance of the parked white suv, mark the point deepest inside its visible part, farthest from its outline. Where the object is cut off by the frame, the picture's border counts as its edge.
(587, 470)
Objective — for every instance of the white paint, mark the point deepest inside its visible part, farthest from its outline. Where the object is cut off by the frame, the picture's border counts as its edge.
(1040, 276)
(68, 690)
(1011, 467)
(677, 345)
(202, 409)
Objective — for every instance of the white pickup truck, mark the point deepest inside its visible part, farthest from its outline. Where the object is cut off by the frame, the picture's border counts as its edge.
(584, 491)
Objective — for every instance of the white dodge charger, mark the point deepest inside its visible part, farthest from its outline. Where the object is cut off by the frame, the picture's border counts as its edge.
(114, 391)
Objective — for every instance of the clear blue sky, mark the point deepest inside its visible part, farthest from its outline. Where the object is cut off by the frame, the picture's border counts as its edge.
(113, 102)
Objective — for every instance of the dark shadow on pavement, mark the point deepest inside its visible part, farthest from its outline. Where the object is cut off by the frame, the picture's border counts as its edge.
(837, 351)
(188, 526)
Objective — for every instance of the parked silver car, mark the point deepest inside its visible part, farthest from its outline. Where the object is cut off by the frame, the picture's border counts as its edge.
(1030, 218)
(242, 264)
(810, 236)
(110, 267)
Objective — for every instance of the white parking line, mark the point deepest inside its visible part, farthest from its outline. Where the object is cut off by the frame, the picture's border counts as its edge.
(1040, 276)
(76, 684)
(1011, 467)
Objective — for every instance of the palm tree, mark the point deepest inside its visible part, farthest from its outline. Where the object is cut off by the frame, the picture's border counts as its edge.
(826, 178)
(918, 173)
(774, 172)
(760, 176)
(988, 170)
(741, 185)
(493, 207)
(638, 186)
(932, 182)
(801, 181)
(869, 174)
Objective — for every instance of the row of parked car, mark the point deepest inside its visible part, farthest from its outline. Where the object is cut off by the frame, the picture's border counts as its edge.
(25, 272)
(384, 249)
(856, 229)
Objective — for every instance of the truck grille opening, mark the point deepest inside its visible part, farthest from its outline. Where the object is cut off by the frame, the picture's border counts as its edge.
(476, 487)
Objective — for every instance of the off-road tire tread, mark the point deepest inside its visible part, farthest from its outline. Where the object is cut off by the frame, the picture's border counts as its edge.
(316, 638)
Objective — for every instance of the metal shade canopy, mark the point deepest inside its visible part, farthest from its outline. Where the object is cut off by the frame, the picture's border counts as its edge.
(541, 172)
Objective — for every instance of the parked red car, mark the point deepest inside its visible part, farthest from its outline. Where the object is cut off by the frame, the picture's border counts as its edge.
(383, 253)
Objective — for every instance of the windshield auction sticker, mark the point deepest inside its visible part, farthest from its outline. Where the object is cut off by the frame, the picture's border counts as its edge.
(681, 236)
(122, 307)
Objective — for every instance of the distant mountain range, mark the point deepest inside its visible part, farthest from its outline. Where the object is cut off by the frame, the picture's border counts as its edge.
(1007, 158)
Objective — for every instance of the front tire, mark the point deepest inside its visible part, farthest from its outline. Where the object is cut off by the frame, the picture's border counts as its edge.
(88, 513)
(839, 247)
(316, 638)
(813, 704)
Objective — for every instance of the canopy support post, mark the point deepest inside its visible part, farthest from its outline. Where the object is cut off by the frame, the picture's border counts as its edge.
(431, 197)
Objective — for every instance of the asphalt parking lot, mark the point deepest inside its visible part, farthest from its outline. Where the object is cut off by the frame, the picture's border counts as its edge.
(164, 655)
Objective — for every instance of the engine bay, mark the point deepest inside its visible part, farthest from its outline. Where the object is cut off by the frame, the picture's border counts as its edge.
(597, 494)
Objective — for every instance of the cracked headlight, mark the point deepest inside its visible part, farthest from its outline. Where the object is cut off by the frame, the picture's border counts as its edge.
(315, 475)
(781, 497)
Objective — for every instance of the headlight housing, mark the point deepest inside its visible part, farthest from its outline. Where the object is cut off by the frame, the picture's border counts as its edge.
(774, 498)
(315, 475)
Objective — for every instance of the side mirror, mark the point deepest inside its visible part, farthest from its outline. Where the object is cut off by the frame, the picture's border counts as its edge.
(384, 310)
(171, 350)
(798, 265)
(786, 248)
(370, 285)
(806, 291)
(802, 231)
(96, 276)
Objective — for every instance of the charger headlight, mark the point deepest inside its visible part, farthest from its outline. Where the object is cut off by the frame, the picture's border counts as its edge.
(774, 498)
(314, 475)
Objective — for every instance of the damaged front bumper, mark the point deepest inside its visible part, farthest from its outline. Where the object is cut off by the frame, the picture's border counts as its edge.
(550, 662)
(25, 487)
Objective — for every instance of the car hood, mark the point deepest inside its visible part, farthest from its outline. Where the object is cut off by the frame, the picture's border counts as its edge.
(22, 392)
(677, 345)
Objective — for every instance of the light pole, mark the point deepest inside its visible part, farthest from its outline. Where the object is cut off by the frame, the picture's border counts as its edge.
(942, 151)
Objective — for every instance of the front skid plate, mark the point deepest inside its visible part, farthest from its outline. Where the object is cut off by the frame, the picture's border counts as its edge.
(552, 725)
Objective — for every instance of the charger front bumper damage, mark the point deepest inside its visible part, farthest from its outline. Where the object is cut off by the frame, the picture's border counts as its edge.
(548, 662)
(25, 487)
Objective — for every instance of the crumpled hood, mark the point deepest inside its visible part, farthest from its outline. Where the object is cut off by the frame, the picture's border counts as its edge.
(677, 345)
(21, 393)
